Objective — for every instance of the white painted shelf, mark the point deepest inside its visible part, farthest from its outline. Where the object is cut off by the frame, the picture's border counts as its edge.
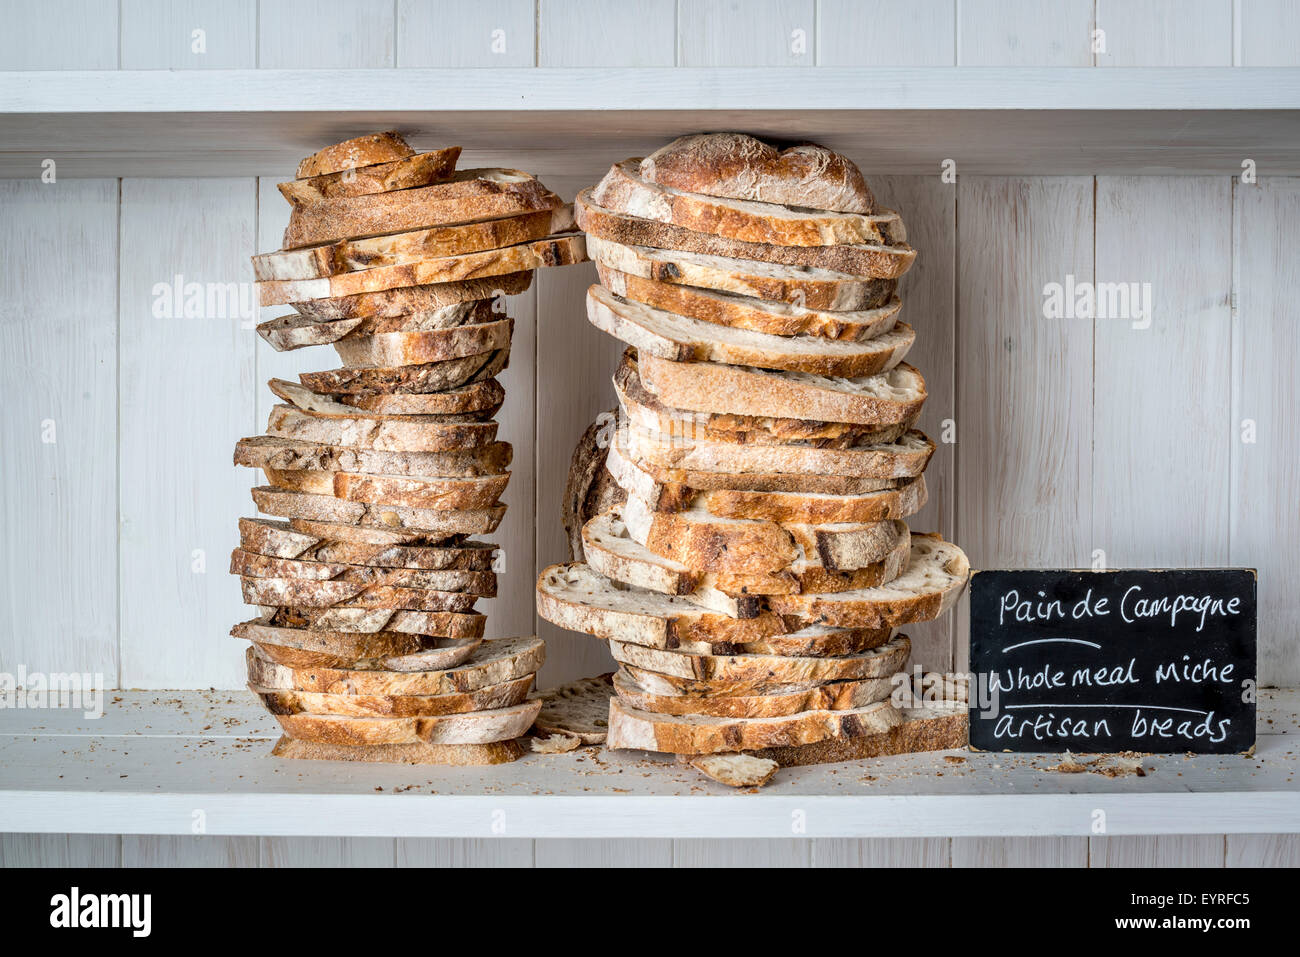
(156, 758)
(991, 120)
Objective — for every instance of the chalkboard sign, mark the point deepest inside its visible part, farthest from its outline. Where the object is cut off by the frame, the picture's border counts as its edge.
(1160, 660)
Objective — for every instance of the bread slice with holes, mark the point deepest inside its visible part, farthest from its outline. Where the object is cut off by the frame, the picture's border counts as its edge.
(423, 379)
(683, 339)
(308, 593)
(435, 624)
(326, 407)
(397, 433)
(420, 169)
(427, 524)
(701, 734)
(295, 331)
(471, 195)
(419, 753)
(579, 709)
(474, 727)
(253, 565)
(809, 287)
(387, 349)
(438, 492)
(356, 153)
(413, 300)
(890, 398)
(269, 451)
(833, 696)
(508, 694)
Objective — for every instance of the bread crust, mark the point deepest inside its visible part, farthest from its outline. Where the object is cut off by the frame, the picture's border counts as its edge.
(420, 169)
(356, 153)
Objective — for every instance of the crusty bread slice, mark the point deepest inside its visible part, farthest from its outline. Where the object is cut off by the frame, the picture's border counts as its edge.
(269, 451)
(416, 348)
(936, 728)
(473, 727)
(683, 339)
(397, 249)
(579, 709)
(352, 646)
(493, 662)
(576, 597)
(326, 407)
(421, 169)
(834, 696)
(296, 331)
(561, 250)
(471, 195)
(756, 315)
(356, 153)
(429, 624)
(701, 734)
(473, 397)
(505, 695)
(738, 166)
(429, 525)
(808, 287)
(936, 574)
(369, 430)
(438, 492)
(279, 540)
(253, 565)
(589, 488)
(307, 593)
(413, 300)
(446, 755)
(735, 770)
(624, 191)
(890, 398)
(860, 261)
(424, 379)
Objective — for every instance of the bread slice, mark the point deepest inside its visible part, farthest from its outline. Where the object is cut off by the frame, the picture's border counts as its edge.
(484, 396)
(505, 695)
(357, 153)
(438, 492)
(735, 770)
(936, 728)
(493, 662)
(415, 348)
(389, 433)
(341, 644)
(423, 379)
(579, 709)
(806, 286)
(397, 249)
(419, 660)
(326, 407)
(563, 250)
(624, 191)
(755, 315)
(662, 671)
(862, 262)
(936, 574)
(471, 195)
(738, 166)
(682, 339)
(421, 169)
(429, 525)
(427, 624)
(701, 734)
(296, 331)
(835, 696)
(413, 300)
(589, 488)
(474, 727)
(890, 398)
(307, 593)
(447, 755)
(253, 565)
(269, 451)
(577, 598)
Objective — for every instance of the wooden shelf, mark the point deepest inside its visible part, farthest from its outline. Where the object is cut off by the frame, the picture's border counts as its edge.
(562, 121)
(157, 757)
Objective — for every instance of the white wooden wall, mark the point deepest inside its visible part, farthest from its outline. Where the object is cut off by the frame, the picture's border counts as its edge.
(120, 502)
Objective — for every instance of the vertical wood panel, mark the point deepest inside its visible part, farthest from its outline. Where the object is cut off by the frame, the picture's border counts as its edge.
(158, 34)
(757, 853)
(1266, 472)
(1024, 383)
(1179, 850)
(1024, 32)
(612, 33)
(325, 34)
(60, 850)
(604, 853)
(450, 33)
(493, 852)
(59, 35)
(1268, 33)
(58, 361)
(1163, 393)
(186, 397)
(1166, 32)
(1263, 850)
(929, 207)
(753, 33)
(1020, 852)
(882, 853)
(171, 850)
(327, 851)
(886, 33)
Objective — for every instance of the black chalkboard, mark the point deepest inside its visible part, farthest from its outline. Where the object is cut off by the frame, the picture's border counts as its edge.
(1135, 660)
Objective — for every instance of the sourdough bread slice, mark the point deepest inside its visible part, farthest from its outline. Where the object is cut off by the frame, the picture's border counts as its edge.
(388, 349)
(437, 492)
(738, 166)
(421, 169)
(296, 331)
(835, 696)
(474, 727)
(493, 697)
(579, 709)
(339, 644)
(807, 286)
(326, 407)
(563, 250)
(471, 195)
(420, 660)
(429, 525)
(268, 451)
(890, 398)
(683, 339)
(493, 662)
(306, 593)
(701, 734)
(413, 300)
(446, 755)
(429, 624)
(939, 728)
(421, 379)
(253, 565)
(356, 153)
(589, 488)
(474, 397)
(577, 598)
(936, 574)
(387, 433)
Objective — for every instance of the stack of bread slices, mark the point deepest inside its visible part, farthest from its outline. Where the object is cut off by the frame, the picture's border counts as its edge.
(367, 645)
(752, 579)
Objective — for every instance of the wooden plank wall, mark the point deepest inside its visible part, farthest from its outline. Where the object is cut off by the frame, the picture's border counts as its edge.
(1168, 444)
